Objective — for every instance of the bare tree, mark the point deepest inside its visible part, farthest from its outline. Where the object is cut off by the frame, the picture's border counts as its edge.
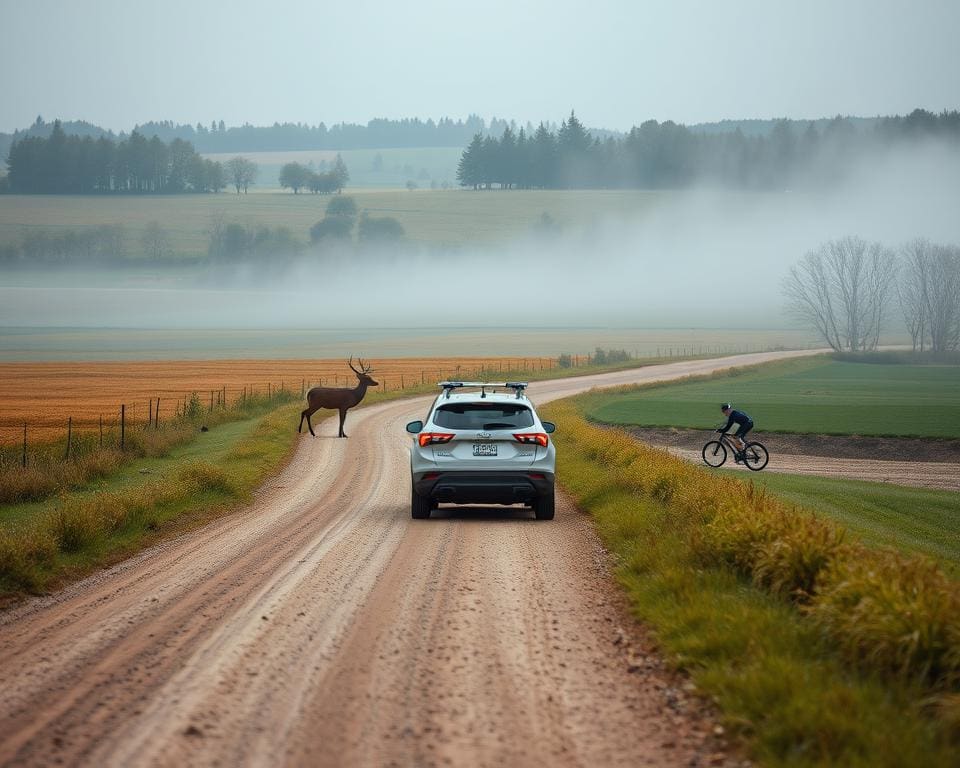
(843, 289)
(912, 288)
(943, 298)
(242, 172)
(930, 294)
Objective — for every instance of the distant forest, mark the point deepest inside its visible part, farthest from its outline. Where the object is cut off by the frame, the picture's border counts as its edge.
(62, 164)
(667, 155)
(82, 158)
(217, 137)
(380, 133)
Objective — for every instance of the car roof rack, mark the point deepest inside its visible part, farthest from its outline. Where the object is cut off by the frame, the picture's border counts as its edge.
(517, 386)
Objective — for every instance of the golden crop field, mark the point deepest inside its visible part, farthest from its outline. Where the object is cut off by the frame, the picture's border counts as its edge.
(44, 395)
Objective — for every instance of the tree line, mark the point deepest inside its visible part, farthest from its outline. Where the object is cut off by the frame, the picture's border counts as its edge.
(667, 155)
(62, 164)
(847, 290)
(297, 176)
(217, 137)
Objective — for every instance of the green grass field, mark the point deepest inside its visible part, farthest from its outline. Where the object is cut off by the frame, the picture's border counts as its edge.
(817, 396)
(452, 217)
(913, 520)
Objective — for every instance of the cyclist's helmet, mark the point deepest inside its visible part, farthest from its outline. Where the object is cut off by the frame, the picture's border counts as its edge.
(726, 407)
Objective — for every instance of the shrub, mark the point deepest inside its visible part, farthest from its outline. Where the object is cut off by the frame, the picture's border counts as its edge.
(342, 205)
(21, 553)
(74, 526)
(333, 228)
(383, 229)
(609, 356)
(205, 477)
(801, 546)
(891, 612)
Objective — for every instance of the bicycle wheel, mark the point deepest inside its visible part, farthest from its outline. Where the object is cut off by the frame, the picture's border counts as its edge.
(714, 453)
(755, 456)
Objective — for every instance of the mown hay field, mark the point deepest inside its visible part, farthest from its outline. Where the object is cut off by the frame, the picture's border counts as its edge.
(455, 217)
(45, 395)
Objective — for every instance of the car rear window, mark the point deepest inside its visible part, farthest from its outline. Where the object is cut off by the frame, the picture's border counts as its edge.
(486, 416)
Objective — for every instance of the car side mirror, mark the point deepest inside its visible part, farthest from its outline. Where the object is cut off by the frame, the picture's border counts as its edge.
(414, 427)
(549, 427)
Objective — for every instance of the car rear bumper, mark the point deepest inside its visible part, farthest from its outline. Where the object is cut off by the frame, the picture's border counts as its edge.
(484, 487)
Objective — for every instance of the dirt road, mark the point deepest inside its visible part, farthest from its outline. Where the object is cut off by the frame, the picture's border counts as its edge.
(322, 626)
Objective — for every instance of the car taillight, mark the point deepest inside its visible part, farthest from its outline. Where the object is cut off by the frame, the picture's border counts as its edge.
(431, 438)
(532, 438)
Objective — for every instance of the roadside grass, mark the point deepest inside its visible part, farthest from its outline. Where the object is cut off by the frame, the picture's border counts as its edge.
(45, 543)
(818, 651)
(816, 395)
(913, 520)
(49, 471)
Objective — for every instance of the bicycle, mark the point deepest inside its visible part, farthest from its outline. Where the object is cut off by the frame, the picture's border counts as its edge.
(754, 455)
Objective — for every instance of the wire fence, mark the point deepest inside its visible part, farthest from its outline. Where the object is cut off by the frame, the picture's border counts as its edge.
(110, 426)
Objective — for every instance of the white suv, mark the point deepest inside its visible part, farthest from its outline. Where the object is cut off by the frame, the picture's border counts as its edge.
(482, 447)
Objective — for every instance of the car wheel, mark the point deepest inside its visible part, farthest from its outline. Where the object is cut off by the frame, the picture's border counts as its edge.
(419, 505)
(543, 507)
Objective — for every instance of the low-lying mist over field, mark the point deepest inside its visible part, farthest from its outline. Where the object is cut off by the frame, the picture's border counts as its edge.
(707, 258)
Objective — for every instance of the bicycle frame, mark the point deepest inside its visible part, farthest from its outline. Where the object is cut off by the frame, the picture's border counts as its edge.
(727, 440)
(754, 455)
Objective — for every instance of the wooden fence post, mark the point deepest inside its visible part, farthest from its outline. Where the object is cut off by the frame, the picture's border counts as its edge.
(123, 425)
(156, 415)
(150, 413)
(69, 436)
(101, 430)
(23, 462)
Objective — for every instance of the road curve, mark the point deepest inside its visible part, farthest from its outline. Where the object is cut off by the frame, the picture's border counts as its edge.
(322, 626)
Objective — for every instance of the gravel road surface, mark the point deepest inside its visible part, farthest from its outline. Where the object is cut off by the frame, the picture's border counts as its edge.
(322, 626)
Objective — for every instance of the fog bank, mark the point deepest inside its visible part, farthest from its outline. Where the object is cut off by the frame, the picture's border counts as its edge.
(704, 258)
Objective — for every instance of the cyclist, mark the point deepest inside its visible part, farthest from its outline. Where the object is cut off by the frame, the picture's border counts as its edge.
(744, 422)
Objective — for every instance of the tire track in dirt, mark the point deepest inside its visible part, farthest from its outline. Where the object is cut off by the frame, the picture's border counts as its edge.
(323, 626)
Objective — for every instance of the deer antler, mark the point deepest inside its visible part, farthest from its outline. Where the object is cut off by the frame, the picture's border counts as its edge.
(364, 368)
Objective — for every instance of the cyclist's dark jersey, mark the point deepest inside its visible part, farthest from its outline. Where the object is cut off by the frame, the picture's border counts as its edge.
(738, 417)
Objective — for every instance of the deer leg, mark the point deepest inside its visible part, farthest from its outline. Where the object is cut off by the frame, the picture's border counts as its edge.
(343, 416)
(303, 415)
(308, 413)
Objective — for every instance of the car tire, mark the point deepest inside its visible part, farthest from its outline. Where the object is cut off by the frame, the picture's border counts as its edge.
(543, 507)
(419, 505)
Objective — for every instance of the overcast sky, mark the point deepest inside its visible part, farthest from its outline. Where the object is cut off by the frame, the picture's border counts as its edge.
(616, 62)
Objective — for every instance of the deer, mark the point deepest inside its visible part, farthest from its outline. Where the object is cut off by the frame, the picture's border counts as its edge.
(338, 398)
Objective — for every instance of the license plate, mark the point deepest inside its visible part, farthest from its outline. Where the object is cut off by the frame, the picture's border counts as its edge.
(484, 449)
